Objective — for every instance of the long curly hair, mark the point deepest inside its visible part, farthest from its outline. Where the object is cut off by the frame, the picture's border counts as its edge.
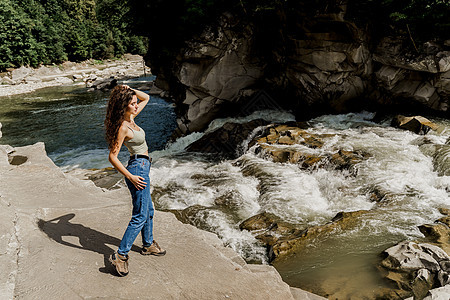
(118, 101)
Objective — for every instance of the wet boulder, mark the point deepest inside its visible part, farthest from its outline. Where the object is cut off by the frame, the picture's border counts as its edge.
(416, 267)
(290, 134)
(295, 242)
(283, 238)
(268, 227)
(275, 141)
(446, 218)
(226, 140)
(343, 159)
(440, 293)
(280, 143)
(103, 84)
(438, 233)
(416, 124)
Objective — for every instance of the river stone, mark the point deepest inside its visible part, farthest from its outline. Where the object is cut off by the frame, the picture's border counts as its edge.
(441, 157)
(77, 77)
(438, 234)
(190, 215)
(347, 159)
(229, 200)
(107, 178)
(440, 293)
(410, 256)
(63, 80)
(226, 140)
(416, 124)
(6, 80)
(104, 84)
(261, 221)
(268, 227)
(298, 238)
(19, 74)
(445, 220)
(442, 210)
(416, 267)
(290, 135)
(31, 79)
(422, 283)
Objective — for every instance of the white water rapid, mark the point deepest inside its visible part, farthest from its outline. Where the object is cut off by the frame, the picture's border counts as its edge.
(219, 196)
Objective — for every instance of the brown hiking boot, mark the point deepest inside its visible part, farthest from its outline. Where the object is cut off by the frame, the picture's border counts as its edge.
(153, 249)
(120, 262)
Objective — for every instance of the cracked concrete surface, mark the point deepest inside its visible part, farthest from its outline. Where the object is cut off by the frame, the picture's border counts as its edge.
(58, 231)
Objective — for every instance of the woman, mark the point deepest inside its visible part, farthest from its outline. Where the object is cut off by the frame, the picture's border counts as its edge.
(123, 107)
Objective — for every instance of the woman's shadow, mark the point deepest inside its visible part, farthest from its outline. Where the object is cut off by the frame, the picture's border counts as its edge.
(90, 239)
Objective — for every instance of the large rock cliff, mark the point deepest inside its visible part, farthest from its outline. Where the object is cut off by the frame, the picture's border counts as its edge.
(305, 62)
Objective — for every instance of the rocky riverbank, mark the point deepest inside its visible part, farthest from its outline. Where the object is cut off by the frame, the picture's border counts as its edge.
(91, 74)
(54, 244)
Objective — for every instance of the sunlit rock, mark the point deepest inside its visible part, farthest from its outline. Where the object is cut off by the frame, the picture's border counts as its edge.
(278, 144)
(416, 267)
(416, 124)
(438, 234)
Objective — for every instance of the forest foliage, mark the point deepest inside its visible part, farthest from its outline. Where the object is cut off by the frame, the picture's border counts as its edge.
(36, 32)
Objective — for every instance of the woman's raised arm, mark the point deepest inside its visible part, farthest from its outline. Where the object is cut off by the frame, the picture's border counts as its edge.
(143, 100)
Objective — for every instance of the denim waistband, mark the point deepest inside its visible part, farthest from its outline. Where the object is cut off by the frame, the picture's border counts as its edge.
(136, 156)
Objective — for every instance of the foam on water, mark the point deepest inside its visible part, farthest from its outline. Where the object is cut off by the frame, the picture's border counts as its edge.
(397, 170)
(188, 183)
(268, 115)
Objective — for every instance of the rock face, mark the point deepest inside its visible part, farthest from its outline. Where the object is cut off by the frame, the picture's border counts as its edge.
(311, 62)
(215, 70)
(423, 79)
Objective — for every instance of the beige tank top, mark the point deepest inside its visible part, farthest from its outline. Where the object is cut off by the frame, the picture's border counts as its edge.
(137, 145)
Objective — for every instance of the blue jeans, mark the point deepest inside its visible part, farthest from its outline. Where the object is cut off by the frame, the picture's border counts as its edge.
(142, 215)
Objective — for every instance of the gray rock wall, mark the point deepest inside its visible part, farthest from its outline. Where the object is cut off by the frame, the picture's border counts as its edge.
(321, 62)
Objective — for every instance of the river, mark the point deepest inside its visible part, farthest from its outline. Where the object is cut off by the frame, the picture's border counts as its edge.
(342, 265)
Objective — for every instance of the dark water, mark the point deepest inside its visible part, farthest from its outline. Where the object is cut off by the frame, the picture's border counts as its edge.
(69, 120)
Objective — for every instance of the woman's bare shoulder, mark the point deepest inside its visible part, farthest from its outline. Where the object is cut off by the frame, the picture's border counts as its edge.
(123, 130)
